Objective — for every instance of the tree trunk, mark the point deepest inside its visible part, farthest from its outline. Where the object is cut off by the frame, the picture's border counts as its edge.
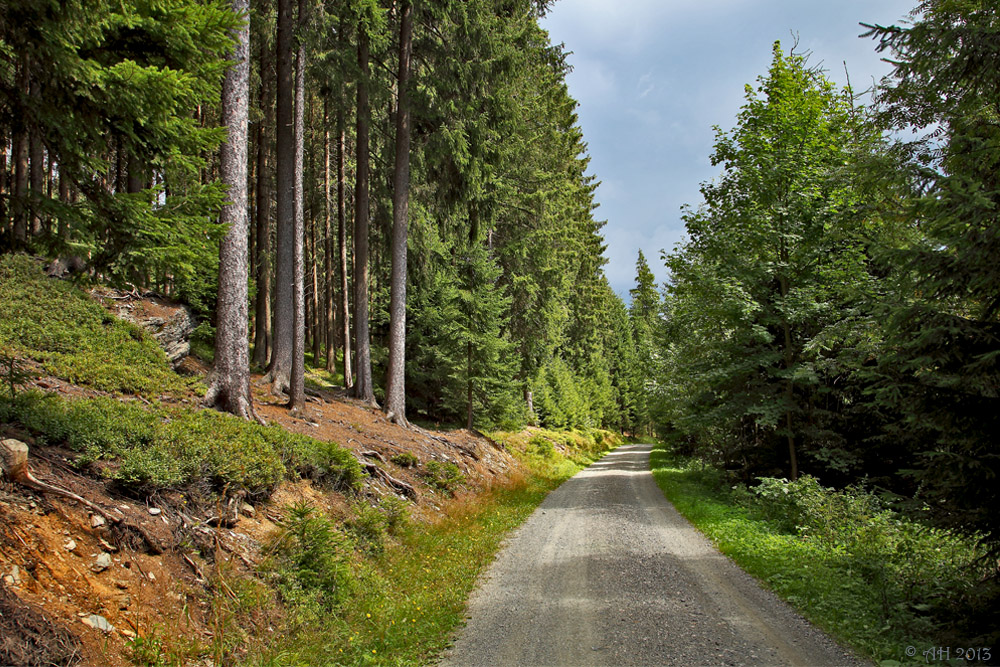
(136, 181)
(297, 390)
(468, 376)
(395, 392)
(4, 184)
(229, 386)
(345, 315)
(307, 264)
(64, 197)
(37, 172)
(529, 400)
(315, 301)
(284, 308)
(262, 338)
(363, 388)
(789, 359)
(328, 243)
(20, 204)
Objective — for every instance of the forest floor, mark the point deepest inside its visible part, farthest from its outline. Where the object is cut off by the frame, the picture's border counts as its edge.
(607, 572)
(72, 584)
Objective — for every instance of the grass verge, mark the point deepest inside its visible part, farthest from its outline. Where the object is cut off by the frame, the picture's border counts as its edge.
(402, 603)
(874, 580)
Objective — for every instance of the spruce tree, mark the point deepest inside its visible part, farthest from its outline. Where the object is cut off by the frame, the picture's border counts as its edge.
(229, 383)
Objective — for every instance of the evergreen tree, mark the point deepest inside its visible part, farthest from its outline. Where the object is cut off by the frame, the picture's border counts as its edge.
(229, 385)
(107, 88)
(644, 315)
(943, 366)
(279, 374)
(363, 387)
(764, 306)
(395, 392)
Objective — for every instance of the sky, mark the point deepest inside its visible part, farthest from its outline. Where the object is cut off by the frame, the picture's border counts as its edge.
(652, 78)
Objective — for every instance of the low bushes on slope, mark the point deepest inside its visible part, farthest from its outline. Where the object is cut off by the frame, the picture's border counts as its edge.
(74, 338)
(558, 453)
(169, 447)
(408, 597)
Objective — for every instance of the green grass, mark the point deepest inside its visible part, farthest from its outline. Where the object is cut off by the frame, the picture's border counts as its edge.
(73, 338)
(558, 454)
(869, 578)
(407, 599)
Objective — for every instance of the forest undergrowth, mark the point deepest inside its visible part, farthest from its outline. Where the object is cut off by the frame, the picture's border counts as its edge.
(887, 585)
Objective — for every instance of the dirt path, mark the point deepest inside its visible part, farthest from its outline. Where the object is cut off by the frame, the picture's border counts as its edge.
(606, 572)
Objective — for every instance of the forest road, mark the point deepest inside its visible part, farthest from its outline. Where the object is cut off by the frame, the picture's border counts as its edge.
(607, 572)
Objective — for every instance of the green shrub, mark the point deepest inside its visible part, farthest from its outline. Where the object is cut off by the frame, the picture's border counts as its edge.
(541, 446)
(13, 374)
(324, 462)
(443, 476)
(157, 448)
(396, 516)
(310, 560)
(368, 526)
(914, 570)
(405, 460)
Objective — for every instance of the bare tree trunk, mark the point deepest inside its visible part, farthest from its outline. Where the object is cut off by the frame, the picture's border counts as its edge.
(4, 184)
(262, 338)
(20, 188)
(328, 293)
(37, 172)
(64, 197)
(229, 385)
(345, 315)
(315, 301)
(363, 388)
(468, 373)
(282, 354)
(296, 390)
(395, 393)
(136, 181)
(307, 264)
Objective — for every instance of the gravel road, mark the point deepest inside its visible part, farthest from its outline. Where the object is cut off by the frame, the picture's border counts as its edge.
(607, 572)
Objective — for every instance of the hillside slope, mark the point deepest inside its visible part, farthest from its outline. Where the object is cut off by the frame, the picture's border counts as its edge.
(200, 497)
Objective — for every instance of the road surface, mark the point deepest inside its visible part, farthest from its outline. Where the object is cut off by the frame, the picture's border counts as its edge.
(607, 572)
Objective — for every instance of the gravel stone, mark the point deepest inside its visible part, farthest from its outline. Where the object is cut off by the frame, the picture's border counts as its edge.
(607, 572)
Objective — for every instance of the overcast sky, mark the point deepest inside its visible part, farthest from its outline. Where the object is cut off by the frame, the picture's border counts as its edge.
(654, 76)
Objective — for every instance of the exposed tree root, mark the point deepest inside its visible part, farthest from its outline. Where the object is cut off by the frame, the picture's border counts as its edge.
(397, 485)
(14, 454)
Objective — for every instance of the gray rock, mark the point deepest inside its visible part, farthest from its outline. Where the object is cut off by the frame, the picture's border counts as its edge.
(98, 622)
(96, 521)
(172, 330)
(155, 511)
(70, 545)
(102, 563)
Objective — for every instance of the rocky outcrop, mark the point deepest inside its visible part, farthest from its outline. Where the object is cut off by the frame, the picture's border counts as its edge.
(170, 323)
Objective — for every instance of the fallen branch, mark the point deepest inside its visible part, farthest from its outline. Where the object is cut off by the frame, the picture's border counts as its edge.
(194, 567)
